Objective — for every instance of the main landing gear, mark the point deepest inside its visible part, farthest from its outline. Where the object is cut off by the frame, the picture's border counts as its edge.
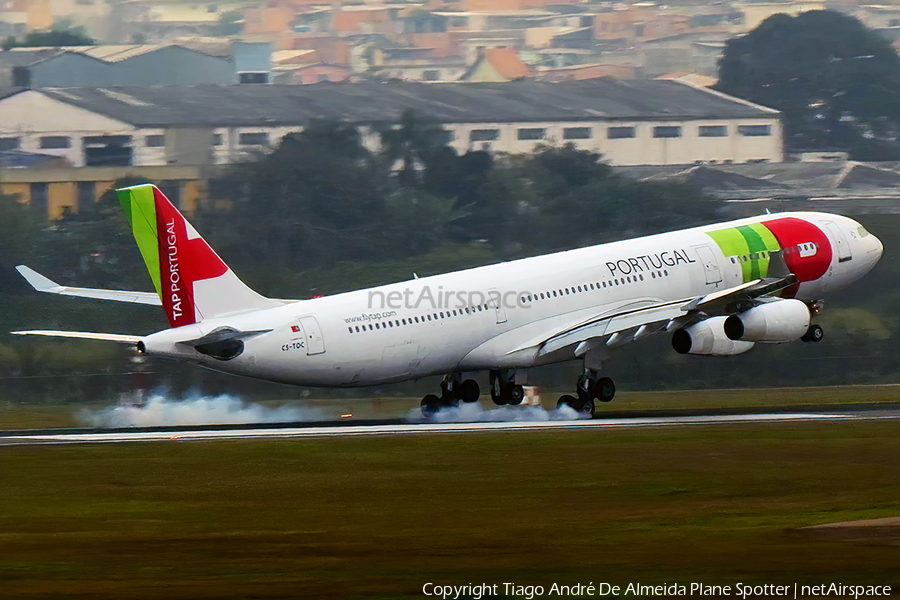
(453, 391)
(589, 388)
(504, 389)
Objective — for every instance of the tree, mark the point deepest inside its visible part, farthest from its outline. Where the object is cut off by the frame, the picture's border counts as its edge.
(835, 81)
(63, 33)
(414, 143)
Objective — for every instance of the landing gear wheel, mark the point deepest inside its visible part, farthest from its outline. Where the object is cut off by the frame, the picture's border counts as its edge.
(566, 401)
(585, 407)
(469, 391)
(516, 395)
(603, 389)
(431, 404)
(499, 400)
(449, 401)
(815, 333)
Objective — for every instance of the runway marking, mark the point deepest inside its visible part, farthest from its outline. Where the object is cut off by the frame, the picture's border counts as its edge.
(417, 428)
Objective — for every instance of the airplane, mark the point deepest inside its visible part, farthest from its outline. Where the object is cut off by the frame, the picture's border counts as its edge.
(717, 289)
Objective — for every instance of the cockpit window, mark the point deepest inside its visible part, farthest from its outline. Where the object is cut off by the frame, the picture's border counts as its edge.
(862, 232)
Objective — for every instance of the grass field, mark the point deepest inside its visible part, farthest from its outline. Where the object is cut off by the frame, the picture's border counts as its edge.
(380, 516)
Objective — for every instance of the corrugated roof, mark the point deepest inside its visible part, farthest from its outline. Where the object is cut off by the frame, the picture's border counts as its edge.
(21, 57)
(369, 102)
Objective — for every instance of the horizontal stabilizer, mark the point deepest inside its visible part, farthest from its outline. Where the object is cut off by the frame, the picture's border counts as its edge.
(84, 335)
(42, 284)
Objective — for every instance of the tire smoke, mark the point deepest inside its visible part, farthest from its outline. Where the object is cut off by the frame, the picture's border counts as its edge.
(205, 410)
(473, 412)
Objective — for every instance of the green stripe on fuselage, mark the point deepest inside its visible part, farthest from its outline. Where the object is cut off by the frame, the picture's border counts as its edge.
(750, 245)
(140, 208)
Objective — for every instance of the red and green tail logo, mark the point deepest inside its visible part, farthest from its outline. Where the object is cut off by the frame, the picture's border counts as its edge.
(176, 256)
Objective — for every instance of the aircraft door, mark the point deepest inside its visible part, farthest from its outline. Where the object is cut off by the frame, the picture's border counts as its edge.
(495, 301)
(312, 335)
(843, 247)
(710, 264)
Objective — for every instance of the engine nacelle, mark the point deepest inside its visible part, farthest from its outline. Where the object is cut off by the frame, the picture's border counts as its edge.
(774, 322)
(708, 337)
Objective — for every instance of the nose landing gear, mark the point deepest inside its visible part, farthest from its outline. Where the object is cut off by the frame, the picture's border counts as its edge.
(815, 333)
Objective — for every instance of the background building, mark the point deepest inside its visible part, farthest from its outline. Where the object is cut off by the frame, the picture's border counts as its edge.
(195, 128)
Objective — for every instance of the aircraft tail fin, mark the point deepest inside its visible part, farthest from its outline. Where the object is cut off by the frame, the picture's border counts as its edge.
(193, 283)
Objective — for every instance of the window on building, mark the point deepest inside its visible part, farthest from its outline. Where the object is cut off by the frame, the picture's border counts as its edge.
(9, 143)
(218, 139)
(254, 139)
(484, 135)
(755, 130)
(107, 151)
(535, 133)
(54, 142)
(40, 197)
(87, 195)
(619, 133)
(577, 133)
(155, 141)
(667, 131)
(253, 78)
(459, 22)
(713, 131)
(431, 75)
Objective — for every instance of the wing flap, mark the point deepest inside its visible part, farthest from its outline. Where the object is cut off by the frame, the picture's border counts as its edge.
(612, 324)
(626, 323)
(42, 284)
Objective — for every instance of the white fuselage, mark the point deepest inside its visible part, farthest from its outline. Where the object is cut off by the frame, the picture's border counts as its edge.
(495, 317)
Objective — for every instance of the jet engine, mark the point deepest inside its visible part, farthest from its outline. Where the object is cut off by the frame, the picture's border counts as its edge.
(775, 322)
(708, 337)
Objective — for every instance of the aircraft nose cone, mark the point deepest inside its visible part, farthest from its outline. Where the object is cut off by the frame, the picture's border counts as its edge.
(878, 249)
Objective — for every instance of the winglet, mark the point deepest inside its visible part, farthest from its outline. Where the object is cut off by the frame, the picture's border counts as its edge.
(37, 281)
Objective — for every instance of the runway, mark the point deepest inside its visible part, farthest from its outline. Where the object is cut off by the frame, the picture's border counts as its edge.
(397, 427)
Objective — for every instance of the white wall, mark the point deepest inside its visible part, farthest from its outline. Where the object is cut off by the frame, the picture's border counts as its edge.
(644, 148)
(31, 115)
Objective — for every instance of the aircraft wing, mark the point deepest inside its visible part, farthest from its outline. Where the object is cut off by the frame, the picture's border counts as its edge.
(42, 284)
(83, 335)
(634, 321)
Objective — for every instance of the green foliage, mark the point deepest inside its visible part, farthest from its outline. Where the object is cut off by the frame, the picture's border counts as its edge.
(62, 34)
(413, 143)
(835, 81)
(18, 225)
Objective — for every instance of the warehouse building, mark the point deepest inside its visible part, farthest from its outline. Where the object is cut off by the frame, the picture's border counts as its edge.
(629, 122)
